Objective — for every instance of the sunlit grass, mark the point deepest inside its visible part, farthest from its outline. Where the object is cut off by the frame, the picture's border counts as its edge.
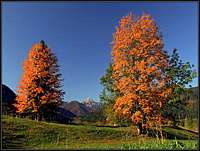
(28, 134)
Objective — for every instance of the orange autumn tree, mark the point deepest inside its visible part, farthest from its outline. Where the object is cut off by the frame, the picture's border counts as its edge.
(139, 65)
(39, 91)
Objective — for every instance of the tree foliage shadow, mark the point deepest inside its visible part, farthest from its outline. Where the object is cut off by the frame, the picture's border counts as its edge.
(173, 133)
(11, 140)
(190, 131)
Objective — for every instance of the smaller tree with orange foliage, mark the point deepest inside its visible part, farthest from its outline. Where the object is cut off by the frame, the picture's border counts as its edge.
(39, 91)
(139, 71)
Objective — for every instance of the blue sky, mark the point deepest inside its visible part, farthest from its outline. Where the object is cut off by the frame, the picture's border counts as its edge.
(80, 35)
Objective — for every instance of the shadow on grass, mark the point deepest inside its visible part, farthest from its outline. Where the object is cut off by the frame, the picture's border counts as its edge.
(11, 140)
(76, 123)
(92, 124)
(174, 133)
(190, 131)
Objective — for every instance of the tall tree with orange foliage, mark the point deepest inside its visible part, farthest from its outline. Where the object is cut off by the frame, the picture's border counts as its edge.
(139, 65)
(39, 90)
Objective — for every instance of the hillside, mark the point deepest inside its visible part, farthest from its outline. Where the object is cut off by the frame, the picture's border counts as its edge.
(8, 98)
(27, 134)
(87, 106)
(192, 103)
(194, 93)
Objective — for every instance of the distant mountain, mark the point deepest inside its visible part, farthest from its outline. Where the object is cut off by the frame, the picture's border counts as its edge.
(8, 98)
(91, 104)
(81, 109)
(77, 108)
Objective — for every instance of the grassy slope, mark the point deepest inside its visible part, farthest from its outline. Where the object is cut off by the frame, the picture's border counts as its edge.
(24, 133)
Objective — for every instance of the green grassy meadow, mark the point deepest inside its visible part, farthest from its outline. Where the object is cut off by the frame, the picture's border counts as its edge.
(24, 133)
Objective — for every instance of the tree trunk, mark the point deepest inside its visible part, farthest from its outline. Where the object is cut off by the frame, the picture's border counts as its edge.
(38, 116)
(174, 122)
(139, 128)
